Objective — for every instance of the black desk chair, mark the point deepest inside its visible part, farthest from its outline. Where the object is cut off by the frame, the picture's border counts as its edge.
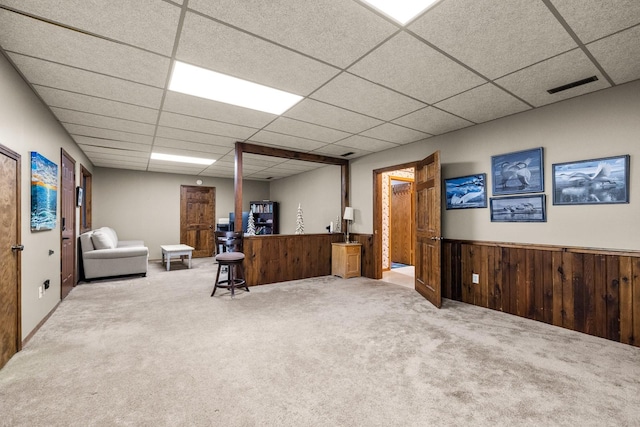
(230, 256)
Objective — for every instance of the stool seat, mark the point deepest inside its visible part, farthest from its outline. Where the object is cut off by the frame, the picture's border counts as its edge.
(230, 256)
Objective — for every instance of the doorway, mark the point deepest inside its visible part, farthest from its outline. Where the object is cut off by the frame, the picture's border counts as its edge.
(397, 228)
(426, 225)
(10, 255)
(68, 225)
(197, 219)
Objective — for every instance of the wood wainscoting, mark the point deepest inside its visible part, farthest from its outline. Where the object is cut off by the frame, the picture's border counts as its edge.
(282, 257)
(587, 290)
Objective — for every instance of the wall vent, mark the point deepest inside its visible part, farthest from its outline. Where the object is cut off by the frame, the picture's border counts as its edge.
(574, 84)
(347, 154)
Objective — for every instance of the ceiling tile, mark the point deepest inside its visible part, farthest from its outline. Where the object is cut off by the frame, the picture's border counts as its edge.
(433, 121)
(532, 83)
(110, 143)
(338, 151)
(285, 141)
(202, 138)
(171, 167)
(207, 126)
(211, 45)
(204, 108)
(105, 152)
(413, 68)
(149, 24)
(305, 130)
(94, 120)
(114, 135)
(90, 104)
(303, 25)
(361, 96)
(364, 143)
(32, 37)
(311, 111)
(187, 146)
(487, 38)
(483, 103)
(394, 133)
(45, 73)
(114, 164)
(614, 52)
(593, 19)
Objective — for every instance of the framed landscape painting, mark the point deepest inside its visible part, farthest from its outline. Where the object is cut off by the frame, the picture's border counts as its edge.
(466, 191)
(519, 209)
(518, 172)
(44, 192)
(591, 182)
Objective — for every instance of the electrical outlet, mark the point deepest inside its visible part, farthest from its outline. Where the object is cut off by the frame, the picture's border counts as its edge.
(40, 291)
(475, 278)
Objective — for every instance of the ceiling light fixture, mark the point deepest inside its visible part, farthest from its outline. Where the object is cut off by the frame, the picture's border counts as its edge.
(208, 84)
(181, 159)
(402, 11)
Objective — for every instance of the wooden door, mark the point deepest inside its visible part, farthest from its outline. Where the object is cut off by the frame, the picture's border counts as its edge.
(428, 233)
(401, 220)
(10, 255)
(197, 219)
(67, 225)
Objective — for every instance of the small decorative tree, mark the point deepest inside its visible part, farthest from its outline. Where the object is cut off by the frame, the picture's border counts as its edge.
(299, 221)
(251, 225)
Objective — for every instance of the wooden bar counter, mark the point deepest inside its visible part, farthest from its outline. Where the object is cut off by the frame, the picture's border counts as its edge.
(282, 257)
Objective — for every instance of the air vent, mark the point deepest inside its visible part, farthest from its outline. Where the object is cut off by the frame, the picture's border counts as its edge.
(269, 177)
(574, 84)
(347, 154)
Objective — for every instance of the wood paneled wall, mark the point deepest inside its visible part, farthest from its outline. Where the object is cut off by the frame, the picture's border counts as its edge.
(592, 291)
(278, 258)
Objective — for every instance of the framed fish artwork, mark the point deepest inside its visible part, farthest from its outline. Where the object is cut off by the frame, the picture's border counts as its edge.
(518, 172)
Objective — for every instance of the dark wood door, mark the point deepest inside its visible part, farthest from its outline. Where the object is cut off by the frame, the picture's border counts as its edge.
(67, 225)
(10, 255)
(197, 219)
(428, 232)
(402, 223)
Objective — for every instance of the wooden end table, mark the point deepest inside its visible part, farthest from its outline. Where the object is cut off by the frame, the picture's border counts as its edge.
(176, 251)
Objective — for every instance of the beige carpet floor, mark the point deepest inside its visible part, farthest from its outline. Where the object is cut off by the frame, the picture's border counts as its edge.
(158, 351)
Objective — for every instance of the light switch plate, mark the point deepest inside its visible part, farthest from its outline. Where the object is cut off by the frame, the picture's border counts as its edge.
(475, 278)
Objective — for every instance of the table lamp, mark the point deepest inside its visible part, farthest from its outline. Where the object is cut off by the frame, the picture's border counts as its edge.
(348, 216)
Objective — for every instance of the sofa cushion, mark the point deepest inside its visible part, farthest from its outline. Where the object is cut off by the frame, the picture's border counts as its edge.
(102, 240)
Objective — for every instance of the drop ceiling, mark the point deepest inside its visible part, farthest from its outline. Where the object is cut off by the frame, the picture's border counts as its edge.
(368, 84)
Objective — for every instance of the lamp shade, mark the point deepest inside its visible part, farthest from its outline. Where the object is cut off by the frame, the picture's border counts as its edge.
(348, 213)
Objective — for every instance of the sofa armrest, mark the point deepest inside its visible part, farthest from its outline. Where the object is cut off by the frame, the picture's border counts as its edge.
(126, 252)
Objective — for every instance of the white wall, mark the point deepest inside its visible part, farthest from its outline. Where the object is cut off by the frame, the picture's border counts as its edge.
(146, 205)
(319, 194)
(25, 126)
(601, 124)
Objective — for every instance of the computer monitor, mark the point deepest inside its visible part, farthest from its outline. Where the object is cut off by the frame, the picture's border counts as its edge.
(245, 221)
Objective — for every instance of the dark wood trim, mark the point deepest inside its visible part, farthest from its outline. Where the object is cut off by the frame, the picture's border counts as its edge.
(594, 291)
(290, 154)
(86, 183)
(238, 188)
(39, 325)
(244, 147)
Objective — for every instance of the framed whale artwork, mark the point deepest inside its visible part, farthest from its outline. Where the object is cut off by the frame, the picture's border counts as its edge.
(518, 172)
(466, 192)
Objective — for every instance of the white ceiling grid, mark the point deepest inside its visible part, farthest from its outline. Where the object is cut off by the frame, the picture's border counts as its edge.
(369, 84)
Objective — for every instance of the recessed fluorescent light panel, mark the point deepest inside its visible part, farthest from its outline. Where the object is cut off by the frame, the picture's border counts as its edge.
(182, 159)
(208, 84)
(402, 11)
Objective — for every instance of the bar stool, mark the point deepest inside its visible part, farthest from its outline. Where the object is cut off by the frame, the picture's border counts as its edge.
(232, 258)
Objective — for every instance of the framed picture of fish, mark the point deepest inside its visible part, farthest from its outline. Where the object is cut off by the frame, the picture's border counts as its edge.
(466, 191)
(530, 208)
(518, 172)
(591, 182)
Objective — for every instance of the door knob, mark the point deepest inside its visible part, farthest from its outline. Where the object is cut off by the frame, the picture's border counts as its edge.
(17, 248)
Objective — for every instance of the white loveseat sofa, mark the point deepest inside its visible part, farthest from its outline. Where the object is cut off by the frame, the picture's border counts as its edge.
(103, 255)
